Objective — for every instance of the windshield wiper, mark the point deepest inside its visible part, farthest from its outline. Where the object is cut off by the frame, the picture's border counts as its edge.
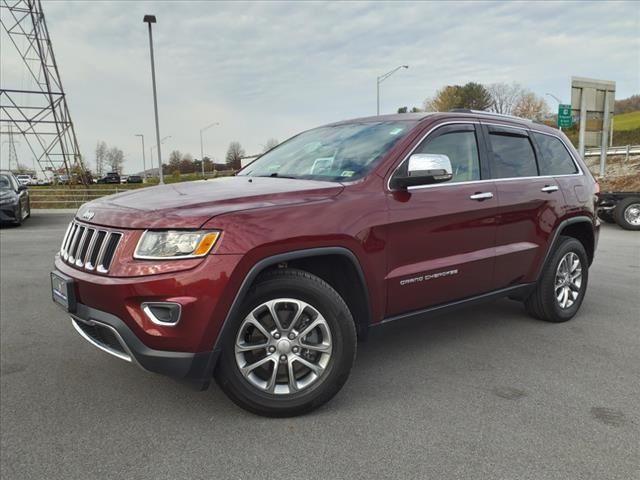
(276, 174)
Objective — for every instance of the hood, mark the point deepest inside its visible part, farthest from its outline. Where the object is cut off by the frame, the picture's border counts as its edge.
(192, 204)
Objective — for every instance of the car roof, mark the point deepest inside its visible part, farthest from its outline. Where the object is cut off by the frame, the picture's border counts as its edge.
(457, 113)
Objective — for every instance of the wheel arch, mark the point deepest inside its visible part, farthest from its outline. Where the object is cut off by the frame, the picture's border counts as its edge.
(318, 261)
(582, 229)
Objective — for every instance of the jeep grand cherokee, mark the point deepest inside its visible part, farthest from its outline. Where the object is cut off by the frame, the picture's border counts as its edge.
(265, 281)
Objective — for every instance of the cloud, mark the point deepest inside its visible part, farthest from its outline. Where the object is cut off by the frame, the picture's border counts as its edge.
(271, 69)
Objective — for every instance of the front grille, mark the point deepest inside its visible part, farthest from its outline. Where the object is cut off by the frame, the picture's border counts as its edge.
(89, 248)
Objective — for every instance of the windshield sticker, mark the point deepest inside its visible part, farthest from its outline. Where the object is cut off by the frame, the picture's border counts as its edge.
(347, 173)
(396, 131)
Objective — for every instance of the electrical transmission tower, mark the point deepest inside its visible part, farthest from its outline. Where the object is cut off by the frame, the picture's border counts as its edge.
(13, 156)
(35, 105)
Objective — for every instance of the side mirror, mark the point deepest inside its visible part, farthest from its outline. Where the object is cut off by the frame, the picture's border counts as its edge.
(22, 188)
(424, 169)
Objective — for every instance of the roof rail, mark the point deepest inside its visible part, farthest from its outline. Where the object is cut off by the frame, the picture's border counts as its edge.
(492, 114)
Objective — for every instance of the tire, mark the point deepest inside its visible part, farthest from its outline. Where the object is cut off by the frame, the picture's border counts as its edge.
(627, 213)
(284, 386)
(543, 303)
(606, 216)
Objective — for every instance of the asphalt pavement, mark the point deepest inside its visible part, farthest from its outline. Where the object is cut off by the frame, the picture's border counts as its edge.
(485, 392)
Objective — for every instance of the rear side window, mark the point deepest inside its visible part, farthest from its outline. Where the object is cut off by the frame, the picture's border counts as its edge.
(554, 157)
(513, 156)
(461, 148)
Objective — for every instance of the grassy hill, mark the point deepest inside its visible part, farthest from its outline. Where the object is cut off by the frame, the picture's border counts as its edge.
(626, 121)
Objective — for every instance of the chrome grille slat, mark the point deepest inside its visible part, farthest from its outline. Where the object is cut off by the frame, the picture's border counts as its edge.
(89, 248)
(103, 248)
(78, 252)
(82, 255)
(74, 245)
(64, 239)
(87, 257)
(72, 232)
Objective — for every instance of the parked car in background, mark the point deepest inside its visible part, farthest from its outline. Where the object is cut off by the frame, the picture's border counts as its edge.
(266, 281)
(111, 177)
(25, 179)
(15, 206)
(134, 179)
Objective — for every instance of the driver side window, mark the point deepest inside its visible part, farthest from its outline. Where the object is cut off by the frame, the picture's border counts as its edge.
(461, 147)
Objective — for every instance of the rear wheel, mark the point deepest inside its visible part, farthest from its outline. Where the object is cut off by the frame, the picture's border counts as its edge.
(560, 290)
(627, 213)
(291, 348)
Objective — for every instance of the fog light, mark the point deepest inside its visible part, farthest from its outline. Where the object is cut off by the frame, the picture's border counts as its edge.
(163, 313)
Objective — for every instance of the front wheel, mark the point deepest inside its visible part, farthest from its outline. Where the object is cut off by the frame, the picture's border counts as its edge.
(562, 285)
(291, 348)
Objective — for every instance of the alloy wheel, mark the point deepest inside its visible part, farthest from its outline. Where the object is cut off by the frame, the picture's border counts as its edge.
(568, 280)
(283, 346)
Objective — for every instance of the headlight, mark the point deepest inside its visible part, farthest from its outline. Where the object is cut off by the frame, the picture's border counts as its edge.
(175, 244)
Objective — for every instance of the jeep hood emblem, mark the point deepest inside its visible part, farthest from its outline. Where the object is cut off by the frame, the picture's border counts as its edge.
(88, 215)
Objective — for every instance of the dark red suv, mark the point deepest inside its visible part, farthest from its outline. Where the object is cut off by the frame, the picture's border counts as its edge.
(264, 281)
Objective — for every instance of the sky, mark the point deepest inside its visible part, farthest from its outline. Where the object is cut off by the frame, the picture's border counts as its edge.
(272, 69)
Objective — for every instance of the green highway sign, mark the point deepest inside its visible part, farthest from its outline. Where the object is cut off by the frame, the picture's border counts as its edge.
(564, 116)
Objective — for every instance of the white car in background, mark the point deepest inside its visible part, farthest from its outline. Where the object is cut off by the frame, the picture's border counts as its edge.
(24, 179)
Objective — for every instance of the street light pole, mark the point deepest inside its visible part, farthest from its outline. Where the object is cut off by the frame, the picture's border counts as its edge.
(381, 79)
(155, 146)
(144, 162)
(557, 100)
(149, 19)
(201, 144)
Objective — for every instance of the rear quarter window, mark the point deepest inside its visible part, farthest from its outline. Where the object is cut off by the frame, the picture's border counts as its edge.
(554, 156)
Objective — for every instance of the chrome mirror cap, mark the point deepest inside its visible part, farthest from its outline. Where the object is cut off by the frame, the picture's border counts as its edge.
(430, 165)
(423, 169)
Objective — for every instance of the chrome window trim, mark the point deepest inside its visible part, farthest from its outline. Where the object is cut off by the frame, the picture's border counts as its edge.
(127, 357)
(479, 122)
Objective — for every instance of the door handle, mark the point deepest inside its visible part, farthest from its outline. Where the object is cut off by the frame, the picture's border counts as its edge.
(481, 196)
(549, 188)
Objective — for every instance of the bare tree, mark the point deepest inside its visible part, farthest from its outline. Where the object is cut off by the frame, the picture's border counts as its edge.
(505, 97)
(234, 153)
(115, 159)
(101, 154)
(531, 106)
(271, 143)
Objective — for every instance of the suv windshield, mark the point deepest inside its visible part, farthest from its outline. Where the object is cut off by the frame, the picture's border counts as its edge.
(334, 153)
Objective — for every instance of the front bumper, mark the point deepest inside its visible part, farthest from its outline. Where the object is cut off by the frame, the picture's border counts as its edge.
(109, 314)
(110, 334)
(8, 212)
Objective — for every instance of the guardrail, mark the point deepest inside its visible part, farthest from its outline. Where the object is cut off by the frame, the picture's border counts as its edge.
(624, 150)
(70, 197)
